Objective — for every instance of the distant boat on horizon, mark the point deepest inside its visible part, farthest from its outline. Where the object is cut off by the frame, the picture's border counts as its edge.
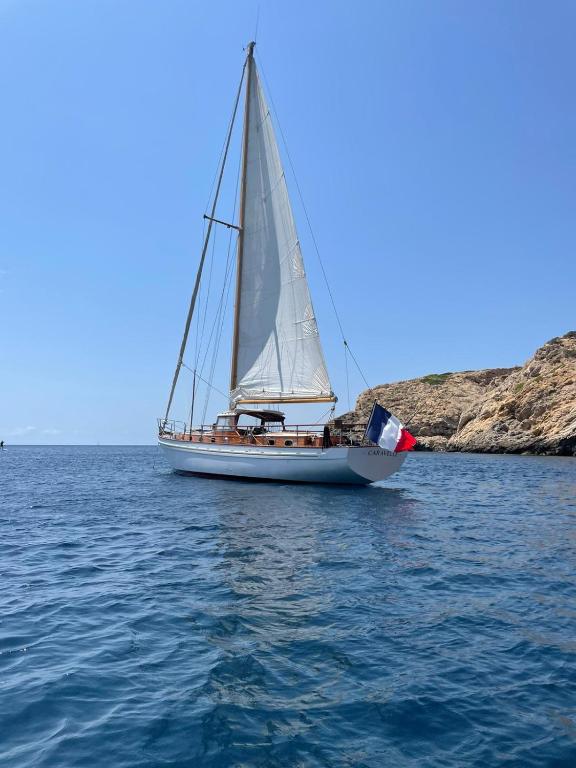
(277, 356)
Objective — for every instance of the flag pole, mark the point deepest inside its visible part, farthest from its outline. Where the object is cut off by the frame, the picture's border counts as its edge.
(369, 421)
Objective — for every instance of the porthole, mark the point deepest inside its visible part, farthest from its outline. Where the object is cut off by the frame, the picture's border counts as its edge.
(288, 442)
(271, 442)
(212, 439)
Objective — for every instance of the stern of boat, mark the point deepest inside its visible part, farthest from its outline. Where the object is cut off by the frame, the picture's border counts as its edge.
(373, 463)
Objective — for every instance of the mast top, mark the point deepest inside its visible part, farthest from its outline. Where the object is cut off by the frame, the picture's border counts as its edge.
(250, 49)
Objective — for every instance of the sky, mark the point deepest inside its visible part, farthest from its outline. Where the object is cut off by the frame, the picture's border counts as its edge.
(433, 142)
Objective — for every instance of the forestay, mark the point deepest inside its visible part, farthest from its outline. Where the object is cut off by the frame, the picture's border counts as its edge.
(278, 353)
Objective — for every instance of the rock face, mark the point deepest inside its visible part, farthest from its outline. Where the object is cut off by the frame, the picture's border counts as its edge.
(430, 407)
(531, 409)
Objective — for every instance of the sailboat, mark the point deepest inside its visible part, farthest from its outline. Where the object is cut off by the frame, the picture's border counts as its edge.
(277, 356)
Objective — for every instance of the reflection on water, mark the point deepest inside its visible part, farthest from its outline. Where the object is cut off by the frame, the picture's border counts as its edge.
(150, 619)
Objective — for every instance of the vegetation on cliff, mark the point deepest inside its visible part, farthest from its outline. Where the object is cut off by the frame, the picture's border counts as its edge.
(528, 409)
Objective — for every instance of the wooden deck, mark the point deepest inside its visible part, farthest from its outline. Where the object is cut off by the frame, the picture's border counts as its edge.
(241, 437)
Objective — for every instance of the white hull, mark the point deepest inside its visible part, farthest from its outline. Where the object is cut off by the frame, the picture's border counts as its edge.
(351, 465)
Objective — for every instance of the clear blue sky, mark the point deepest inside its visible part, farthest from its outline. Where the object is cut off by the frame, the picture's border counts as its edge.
(434, 142)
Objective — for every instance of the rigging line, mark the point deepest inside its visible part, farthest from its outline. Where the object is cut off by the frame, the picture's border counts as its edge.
(197, 323)
(229, 265)
(204, 380)
(200, 333)
(226, 272)
(321, 419)
(219, 160)
(197, 318)
(347, 375)
(324, 275)
(216, 350)
(203, 256)
(215, 321)
(193, 400)
(205, 313)
(214, 333)
(217, 325)
(225, 295)
(356, 364)
(216, 318)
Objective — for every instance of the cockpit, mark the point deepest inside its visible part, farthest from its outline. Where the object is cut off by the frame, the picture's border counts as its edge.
(248, 421)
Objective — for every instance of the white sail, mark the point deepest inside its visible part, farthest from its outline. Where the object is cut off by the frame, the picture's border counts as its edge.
(278, 353)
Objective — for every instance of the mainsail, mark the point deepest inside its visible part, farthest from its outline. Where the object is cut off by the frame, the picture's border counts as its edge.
(277, 356)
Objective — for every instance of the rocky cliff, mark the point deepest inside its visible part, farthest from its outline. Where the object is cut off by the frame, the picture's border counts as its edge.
(528, 409)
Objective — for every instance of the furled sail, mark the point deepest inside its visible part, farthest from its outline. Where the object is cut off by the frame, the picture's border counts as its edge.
(277, 356)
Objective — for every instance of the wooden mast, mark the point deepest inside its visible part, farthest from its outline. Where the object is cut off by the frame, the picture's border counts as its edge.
(240, 250)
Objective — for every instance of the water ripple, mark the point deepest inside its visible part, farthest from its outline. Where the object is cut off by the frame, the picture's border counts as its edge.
(154, 620)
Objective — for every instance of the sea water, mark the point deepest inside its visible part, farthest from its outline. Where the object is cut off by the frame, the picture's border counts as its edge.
(150, 619)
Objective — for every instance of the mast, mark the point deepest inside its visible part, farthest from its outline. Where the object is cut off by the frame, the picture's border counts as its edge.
(211, 220)
(240, 251)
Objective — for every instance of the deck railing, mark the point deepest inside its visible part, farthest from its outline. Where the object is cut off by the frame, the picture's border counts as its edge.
(340, 433)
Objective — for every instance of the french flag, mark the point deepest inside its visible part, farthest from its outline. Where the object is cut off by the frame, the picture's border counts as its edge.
(385, 430)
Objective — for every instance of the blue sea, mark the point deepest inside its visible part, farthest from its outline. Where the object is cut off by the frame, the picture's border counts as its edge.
(149, 619)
